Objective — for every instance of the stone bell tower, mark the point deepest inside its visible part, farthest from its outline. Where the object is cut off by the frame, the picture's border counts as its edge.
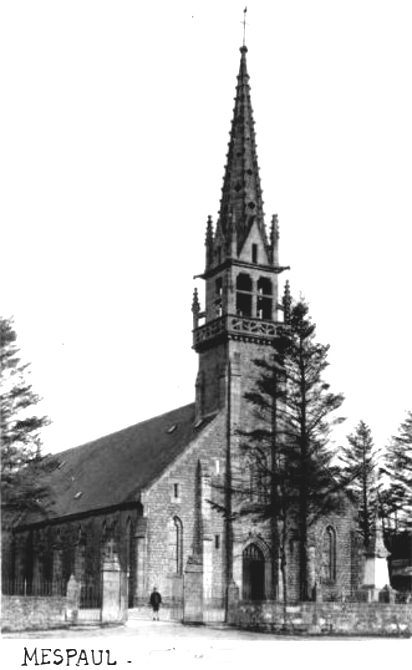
(242, 314)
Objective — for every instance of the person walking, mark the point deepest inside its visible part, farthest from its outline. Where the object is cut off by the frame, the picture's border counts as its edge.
(155, 601)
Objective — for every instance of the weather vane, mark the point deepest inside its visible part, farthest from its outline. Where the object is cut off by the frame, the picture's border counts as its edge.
(244, 25)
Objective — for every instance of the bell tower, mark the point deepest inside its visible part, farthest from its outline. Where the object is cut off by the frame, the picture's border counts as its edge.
(242, 314)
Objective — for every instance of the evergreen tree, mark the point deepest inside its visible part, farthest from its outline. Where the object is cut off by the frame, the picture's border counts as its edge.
(310, 415)
(21, 460)
(358, 461)
(268, 495)
(396, 498)
(294, 410)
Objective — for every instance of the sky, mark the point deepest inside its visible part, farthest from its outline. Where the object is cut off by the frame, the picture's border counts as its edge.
(114, 133)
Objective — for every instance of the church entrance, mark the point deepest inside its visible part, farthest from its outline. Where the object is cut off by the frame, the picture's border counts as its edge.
(253, 573)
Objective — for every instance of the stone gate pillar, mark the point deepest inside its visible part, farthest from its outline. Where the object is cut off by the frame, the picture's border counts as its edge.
(193, 591)
(72, 599)
(139, 595)
(113, 604)
(232, 603)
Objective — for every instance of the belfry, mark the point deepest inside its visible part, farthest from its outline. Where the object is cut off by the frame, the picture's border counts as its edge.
(242, 307)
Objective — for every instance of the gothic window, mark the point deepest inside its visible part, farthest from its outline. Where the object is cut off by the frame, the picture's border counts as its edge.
(264, 300)
(176, 546)
(329, 554)
(244, 289)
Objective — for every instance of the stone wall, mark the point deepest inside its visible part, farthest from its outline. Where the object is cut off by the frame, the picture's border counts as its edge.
(31, 613)
(327, 618)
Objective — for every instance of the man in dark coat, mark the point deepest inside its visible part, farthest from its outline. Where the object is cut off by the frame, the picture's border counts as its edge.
(155, 601)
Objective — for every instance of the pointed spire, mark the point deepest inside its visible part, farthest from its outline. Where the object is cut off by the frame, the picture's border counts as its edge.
(209, 242)
(274, 240)
(209, 230)
(242, 193)
(287, 302)
(195, 308)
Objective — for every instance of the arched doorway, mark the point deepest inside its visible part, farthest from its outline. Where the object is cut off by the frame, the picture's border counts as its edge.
(253, 573)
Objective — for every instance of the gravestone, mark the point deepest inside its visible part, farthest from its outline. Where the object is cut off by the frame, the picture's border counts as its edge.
(376, 574)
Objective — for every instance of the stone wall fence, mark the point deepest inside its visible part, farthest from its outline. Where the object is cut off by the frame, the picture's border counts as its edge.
(33, 612)
(345, 618)
(27, 612)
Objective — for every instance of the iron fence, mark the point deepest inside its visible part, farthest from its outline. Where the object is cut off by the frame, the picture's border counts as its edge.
(27, 587)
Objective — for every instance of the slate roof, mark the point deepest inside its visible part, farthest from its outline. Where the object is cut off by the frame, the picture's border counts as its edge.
(113, 470)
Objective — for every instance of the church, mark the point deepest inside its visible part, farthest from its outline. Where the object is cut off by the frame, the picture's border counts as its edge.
(152, 494)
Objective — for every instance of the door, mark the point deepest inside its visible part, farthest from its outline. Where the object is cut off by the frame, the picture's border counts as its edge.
(253, 573)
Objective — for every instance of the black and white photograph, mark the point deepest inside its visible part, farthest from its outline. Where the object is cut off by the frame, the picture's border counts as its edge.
(205, 326)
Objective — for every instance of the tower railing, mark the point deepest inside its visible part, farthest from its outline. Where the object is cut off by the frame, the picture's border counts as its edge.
(235, 326)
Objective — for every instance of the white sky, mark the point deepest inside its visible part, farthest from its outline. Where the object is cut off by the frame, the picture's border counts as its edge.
(115, 121)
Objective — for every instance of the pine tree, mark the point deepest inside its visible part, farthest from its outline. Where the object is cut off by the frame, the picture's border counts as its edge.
(310, 416)
(358, 462)
(21, 460)
(268, 497)
(294, 411)
(397, 469)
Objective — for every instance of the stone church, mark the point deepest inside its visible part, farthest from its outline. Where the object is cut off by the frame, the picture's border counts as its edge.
(144, 494)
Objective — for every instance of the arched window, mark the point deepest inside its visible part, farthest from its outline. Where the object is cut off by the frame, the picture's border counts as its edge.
(176, 546)
(329, 554)
(244, 289)
(264, 300)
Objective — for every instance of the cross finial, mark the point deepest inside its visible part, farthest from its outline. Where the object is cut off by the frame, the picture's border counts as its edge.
(244, 25)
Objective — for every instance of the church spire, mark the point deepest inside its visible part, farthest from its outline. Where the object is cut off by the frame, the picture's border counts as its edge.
(242, 193)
